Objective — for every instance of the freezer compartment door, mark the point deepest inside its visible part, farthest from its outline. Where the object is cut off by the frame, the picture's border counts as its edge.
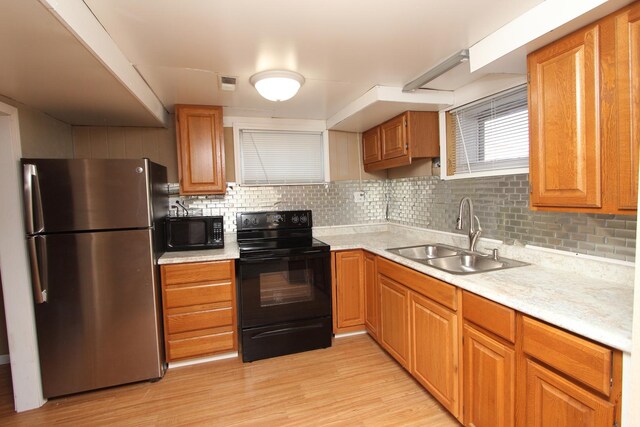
(86, 194)
(101, 323)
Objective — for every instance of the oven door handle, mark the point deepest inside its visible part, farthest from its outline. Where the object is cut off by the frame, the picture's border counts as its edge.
(283, 331)
(299, 255)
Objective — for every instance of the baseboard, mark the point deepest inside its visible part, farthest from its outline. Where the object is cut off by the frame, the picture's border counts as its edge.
(4, 359)
(350, 334)
(202, 360)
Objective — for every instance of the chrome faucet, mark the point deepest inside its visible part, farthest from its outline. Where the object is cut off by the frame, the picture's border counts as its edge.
(474, 233)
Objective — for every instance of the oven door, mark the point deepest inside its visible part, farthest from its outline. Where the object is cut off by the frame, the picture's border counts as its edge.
(284, 288)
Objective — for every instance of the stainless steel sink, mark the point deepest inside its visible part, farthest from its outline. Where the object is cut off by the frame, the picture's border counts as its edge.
(468, 263)
(424, 252)
(455, 260)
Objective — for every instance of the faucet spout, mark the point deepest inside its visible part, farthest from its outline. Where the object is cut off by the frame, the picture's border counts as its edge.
(474, 233)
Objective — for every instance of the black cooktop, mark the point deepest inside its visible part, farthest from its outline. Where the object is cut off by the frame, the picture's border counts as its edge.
(277, 233)
(279, 244)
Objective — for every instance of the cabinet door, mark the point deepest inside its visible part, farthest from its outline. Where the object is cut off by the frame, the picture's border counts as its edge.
(371, 146)
(394, 137)
(372, 297)
(628, 86)
(394, 320)
(552, 400)
(489, 380)
(434, 344)
(565, 156)
(200, 149)
(350, 289)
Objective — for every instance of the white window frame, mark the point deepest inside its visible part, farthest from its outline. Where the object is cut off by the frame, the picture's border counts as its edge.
(269, 124)
(443, 141)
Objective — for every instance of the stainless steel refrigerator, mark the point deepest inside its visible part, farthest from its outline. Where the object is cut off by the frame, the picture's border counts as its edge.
(94, 234)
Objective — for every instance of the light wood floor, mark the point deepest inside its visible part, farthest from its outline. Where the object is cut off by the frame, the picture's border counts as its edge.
(352, 383)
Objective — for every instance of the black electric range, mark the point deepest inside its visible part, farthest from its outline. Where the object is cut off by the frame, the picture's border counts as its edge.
(284, 283)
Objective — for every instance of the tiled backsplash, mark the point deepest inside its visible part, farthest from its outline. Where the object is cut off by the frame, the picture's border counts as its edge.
(501, 204)
(332, 204)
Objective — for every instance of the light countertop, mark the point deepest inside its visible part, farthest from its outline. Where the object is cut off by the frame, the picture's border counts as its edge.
(589, 296)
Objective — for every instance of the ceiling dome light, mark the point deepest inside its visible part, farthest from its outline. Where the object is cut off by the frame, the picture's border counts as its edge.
(277, 85)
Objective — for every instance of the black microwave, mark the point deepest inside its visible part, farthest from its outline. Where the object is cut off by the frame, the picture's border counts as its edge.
(194, 232)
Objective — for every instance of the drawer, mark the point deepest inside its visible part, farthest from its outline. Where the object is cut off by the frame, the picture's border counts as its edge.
(582, 360)
(181, 296)
(489, 315)
(429, 287)
(201, 345)
(203, 319)
(197, 272)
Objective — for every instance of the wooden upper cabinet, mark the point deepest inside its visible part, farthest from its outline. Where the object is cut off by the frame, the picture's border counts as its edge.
(434, 344)
(349, 308)
(628, 91)
(372, 295)
(200, 149)
(393, 135)
(584, 114)
(371, 146)
(565, 161)
(394, 320)
(396, 142)
(489, 380)
(552, 400)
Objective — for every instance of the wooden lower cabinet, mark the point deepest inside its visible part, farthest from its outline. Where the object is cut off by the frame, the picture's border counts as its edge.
(489, 380)
(487, 364)
(434, 345)
(566, 380)
(394, 320)
(199, 301)
(348, 310)
(371, 295)
(552, 400)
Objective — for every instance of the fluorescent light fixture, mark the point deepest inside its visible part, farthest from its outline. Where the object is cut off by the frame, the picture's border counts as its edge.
(277, 85)
(437, 71)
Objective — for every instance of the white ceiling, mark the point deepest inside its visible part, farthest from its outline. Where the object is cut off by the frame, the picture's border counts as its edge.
(343, 48)
(123, 63)
(44, 66)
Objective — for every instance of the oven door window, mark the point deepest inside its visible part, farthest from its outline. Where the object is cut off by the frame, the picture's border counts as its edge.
(281, 289)
(291, 285)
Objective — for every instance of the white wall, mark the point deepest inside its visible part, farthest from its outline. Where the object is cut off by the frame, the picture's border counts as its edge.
(40, 134)
(16, 281)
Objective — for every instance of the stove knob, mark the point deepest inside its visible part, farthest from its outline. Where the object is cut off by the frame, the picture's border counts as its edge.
(255, 221)
(246, 221)
(294, 219)
(303, 219)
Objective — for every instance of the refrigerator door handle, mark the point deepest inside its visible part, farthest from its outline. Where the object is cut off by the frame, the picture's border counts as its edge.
(32, 199)
(37, 253)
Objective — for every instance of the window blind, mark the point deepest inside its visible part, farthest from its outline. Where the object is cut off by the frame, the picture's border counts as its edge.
(489, 135)
(281, 157)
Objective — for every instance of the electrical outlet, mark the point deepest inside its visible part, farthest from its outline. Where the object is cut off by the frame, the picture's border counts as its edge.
(359, 196)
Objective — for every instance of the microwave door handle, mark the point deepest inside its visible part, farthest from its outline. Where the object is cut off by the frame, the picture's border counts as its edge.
(33, 199)
(37, 257)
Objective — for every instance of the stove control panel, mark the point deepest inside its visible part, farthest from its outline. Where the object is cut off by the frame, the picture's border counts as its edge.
(273, 220)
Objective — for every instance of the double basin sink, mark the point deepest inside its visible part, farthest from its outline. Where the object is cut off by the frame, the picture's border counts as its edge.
(455, 260)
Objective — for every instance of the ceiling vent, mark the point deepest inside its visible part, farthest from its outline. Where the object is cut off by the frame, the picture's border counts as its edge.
(227, 83)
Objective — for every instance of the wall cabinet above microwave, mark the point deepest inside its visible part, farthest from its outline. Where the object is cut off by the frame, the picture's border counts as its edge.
(200, 140)
(397, 142)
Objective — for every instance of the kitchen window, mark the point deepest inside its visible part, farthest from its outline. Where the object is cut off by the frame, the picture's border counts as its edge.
(280, 157)
(489, 136)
